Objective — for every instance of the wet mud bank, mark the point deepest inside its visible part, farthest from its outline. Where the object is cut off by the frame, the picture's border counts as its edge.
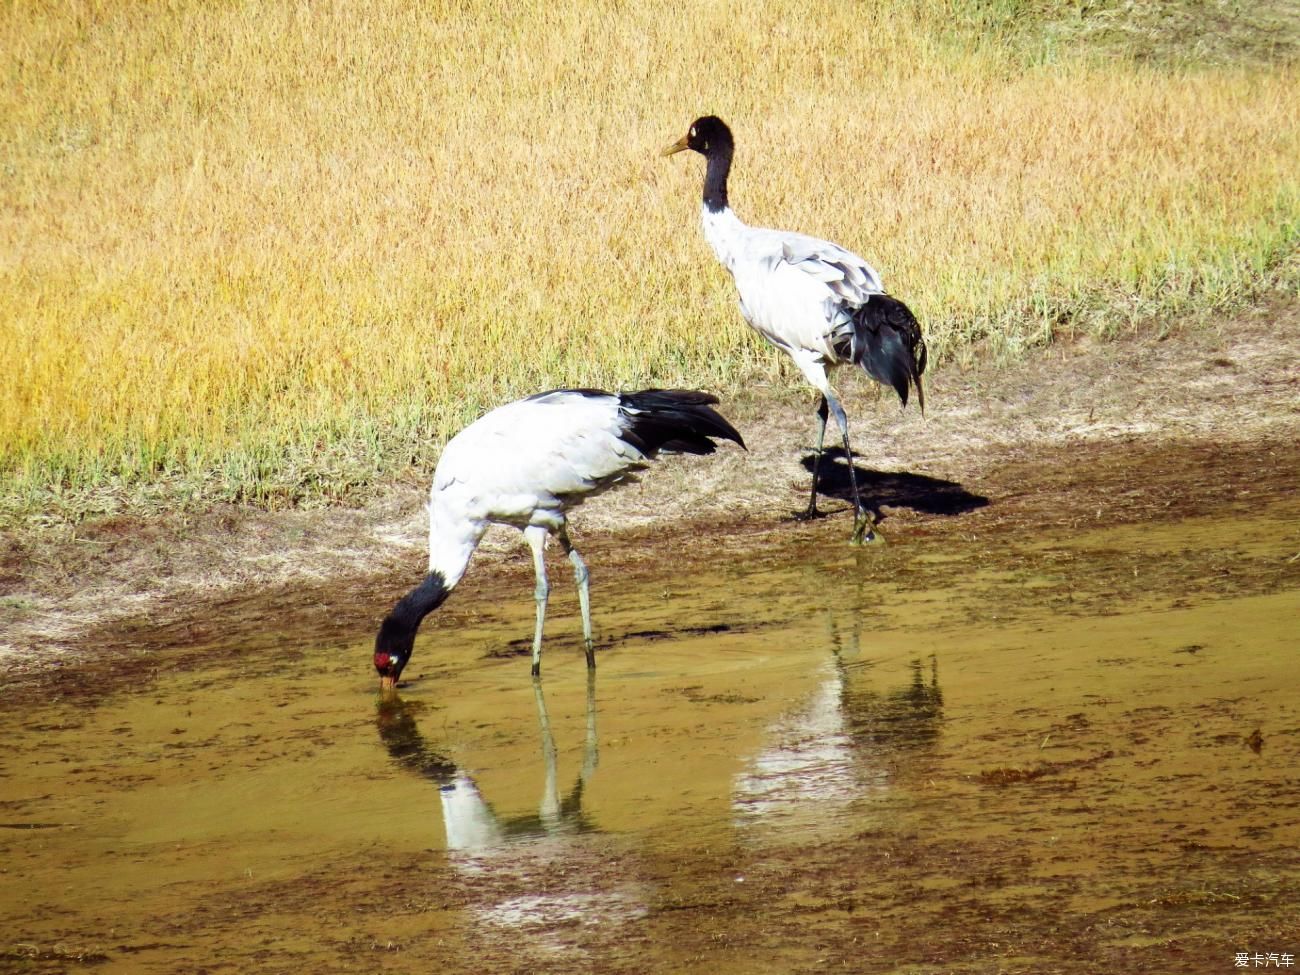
(1046, 728)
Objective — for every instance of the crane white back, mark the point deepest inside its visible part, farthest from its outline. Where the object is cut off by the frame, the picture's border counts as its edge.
(820, 303)
(526, 464)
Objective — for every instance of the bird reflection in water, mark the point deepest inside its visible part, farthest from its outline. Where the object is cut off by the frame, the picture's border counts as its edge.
(499, 856)
(849, 741)
(471, 824)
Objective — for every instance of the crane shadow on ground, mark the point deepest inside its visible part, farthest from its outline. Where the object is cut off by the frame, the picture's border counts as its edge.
(894, 489)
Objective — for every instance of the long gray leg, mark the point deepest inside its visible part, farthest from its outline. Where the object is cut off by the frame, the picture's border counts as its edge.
(536, 538)
(812, 511)
(814, 369)
(582, 577)
(863, 525)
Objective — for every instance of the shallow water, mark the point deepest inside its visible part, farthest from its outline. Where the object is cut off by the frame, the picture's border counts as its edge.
(1022, 754)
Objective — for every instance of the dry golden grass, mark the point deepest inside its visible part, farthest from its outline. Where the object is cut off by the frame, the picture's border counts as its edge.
(274, 251)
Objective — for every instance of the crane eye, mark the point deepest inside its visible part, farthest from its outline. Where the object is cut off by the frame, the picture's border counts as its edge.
(692, 132)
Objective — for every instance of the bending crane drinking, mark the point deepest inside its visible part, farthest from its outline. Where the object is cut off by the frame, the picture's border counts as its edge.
(821, 304)
(526, 464)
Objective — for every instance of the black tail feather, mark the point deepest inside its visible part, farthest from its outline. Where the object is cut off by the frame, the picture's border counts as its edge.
(888, 344)
(681, 420)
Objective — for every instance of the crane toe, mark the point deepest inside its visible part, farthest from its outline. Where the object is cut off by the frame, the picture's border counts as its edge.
(865, 531)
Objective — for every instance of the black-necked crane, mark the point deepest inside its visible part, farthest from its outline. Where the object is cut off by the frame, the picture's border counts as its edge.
(526, 464)
(821, 304)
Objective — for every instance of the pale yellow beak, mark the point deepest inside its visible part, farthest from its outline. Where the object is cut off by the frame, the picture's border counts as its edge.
(676, 147)
(387, 684)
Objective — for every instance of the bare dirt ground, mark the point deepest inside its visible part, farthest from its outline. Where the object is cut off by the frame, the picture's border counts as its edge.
(1074, 433)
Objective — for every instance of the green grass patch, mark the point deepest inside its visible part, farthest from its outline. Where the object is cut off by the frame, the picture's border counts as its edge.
(277, 255)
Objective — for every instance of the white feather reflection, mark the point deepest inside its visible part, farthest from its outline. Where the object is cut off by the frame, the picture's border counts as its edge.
(497, 854)
(841, 746)
(470, 823)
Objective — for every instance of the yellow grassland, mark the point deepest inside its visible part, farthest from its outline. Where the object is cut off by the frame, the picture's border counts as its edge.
(273, 251)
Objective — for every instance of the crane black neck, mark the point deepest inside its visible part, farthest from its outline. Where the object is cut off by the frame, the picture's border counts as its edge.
(715, 177)
(398, 630)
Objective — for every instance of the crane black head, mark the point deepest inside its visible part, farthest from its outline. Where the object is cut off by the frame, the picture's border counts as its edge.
(708, 135)
(393, 648)
(396, 637)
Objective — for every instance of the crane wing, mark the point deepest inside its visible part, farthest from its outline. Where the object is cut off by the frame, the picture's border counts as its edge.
(849, 277)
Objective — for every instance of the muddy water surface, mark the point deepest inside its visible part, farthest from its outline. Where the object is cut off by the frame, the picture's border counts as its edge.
(1027, 753)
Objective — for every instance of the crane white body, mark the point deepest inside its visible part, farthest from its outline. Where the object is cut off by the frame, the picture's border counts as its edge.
(820, 303)
(526, 464)
(796, 291)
